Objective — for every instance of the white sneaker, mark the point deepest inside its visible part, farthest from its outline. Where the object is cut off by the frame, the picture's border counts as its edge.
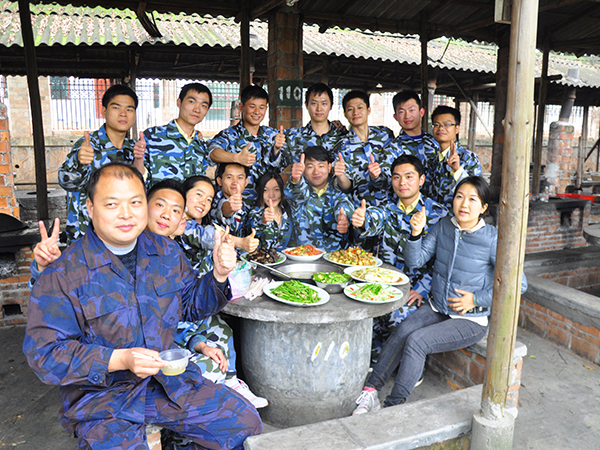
(242, 388)
(367, 401)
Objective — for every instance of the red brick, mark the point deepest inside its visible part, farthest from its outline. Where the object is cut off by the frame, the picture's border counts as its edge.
(557, 335)
(539, 307)
(585, 349)
(560, 317)
(535, 325)
(476, 373)
(589, 330)
(14, 279)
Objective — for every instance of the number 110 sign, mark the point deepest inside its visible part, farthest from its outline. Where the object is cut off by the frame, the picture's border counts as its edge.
(289, 93)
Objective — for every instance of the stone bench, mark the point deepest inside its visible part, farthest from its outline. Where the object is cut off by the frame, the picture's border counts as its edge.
(409, 426)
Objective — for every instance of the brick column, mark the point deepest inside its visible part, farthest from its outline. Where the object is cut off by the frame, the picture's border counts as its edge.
(285, 64)
(8, 203)
(560, 152)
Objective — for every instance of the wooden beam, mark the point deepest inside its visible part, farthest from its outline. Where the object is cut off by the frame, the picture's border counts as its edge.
(473, 124)
(424, 73)
(245, 45)
(585, 13)
(35, 103)
(539, 134)
(265, 8)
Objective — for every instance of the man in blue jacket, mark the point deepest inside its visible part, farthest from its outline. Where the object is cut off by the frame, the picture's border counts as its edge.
(102, 312)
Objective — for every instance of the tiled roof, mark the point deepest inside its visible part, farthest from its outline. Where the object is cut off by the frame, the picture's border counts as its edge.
(68, 25)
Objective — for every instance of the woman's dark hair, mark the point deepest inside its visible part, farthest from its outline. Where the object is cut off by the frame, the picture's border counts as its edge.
(482, 188)
(262, 183)
(189, 184)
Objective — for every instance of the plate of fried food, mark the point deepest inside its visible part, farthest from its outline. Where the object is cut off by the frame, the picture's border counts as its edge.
(268, 257)
(304, 253)
(353, 256)
(377, 275)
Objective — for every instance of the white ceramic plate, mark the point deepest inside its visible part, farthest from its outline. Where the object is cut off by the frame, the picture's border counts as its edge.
(395, 293)
(303, 258)
(281, 259)
(323, 296)
(372, 275)
(378, 262)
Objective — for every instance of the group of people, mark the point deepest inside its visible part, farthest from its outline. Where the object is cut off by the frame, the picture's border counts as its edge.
(154, 238)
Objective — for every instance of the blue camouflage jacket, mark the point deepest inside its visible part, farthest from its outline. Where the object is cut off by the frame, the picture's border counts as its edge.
(86, 304)
(168, 154)
(235, 138)
(314, 218)
(271, 235)
(393, 226)
(198, 242)
(445, 177)
(425, 147)
(236, 222)
(299, 139)
(357, 157)
(73, 177)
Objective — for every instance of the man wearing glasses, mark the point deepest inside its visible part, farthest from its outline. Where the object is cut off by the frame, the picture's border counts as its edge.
(454, 161)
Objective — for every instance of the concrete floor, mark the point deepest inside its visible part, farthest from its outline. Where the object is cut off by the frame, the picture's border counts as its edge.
(559, 400)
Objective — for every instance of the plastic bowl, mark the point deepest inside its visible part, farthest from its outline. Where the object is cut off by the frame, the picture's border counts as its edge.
(177, 358)
(332, 288)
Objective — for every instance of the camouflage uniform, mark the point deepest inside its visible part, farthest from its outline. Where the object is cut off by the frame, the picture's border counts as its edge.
(197, 242)
(299, 139)
(357, 157)
(424, 147)
(235, 138)
(215, 332)
(73, 177)
(446, 179)
(168, 154)
(86, 304)
(236, 221)
(314, 218)
(393, 225)
(271, 235)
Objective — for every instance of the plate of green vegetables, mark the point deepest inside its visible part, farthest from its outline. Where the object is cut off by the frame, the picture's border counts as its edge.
(296, 293)
(373, 293)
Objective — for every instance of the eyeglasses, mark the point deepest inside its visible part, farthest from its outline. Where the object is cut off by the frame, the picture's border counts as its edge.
(443, 125)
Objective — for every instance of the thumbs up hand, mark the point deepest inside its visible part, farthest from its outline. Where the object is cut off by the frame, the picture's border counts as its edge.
(269, 214)
(250, 243)
(342, 222)
(418, 222)
(85, 155)
(374, 168)
(298, 170)
(279, 140)
(139, 149)
(340, 166)
(453, 158)
(358, 216)
(245, 157)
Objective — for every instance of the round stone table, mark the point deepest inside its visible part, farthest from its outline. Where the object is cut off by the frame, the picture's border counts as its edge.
(310, 362)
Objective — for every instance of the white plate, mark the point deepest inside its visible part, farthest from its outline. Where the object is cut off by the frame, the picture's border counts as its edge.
(324, 296)
(281, 259)
(378, 262)
(303, 258)
(352, 272)
(350, 293)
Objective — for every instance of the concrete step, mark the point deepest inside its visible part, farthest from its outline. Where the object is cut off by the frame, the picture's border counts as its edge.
(401, 427)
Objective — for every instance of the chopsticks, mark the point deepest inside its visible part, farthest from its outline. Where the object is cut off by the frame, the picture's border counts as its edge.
(146, 357)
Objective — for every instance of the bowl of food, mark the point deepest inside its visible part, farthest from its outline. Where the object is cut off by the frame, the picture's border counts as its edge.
(331, 282)
(177, 359)
(304, 253)
(268, 257)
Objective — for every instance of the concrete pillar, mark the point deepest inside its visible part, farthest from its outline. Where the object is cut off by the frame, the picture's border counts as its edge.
(488, 434)
(285, 68)
(8, 204)
(559, 162)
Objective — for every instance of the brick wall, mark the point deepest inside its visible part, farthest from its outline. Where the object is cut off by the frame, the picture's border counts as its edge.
(580, 339)
(560, 162)
(8, 203)
(581, 278)
(466, 367)
(14, 293)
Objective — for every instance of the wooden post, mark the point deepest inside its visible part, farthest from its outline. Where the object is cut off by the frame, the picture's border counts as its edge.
(514, 202)
(582, 145)
(424, 73)
(245, 45)
(39, 149)
(473, 124)
(539, 133)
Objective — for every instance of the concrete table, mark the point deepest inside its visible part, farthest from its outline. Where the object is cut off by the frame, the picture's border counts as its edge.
(309, 362)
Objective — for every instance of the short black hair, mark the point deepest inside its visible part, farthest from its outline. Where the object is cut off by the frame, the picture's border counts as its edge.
(318, 89)
(199, 88)
(253, 91)
(355, 94)
(444, 109)
(221, 169)
(117, 169)
(317, 153)
(482, 188)
(405, 95)
(409, 159)
(169, 183)
(119, 89)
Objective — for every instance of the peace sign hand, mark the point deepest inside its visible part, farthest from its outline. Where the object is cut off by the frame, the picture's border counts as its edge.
(46, 251)
(453, 159)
